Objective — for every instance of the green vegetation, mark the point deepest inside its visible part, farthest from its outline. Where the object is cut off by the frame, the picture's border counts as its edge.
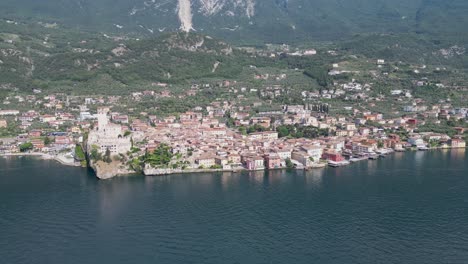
(297, 131)
(445, 127)
(25, 147)
(47, 141)
(80, 155)
(256, 128)
(273, 19)
(160, 158)
(95, 155)
(216, 167)
(107, 156)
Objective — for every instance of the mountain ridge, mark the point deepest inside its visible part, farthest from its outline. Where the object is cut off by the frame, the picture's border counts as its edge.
(249, 20)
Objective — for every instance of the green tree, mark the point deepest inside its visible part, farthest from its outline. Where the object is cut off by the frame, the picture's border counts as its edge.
(47, 141)
(282, 131)
(95, 155)
(26, 147)
(107, 156)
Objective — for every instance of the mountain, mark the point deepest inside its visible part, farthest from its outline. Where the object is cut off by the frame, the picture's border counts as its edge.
(33, 55)
(251, 21)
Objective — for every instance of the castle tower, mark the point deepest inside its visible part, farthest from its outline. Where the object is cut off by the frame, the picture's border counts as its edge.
(103, 120)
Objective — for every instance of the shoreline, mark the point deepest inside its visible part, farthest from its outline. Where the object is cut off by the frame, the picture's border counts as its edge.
(170, 172)
(43, 156)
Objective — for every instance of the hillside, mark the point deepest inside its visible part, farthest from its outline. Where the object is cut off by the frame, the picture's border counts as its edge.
(38, 56)
(249, 21)
(50, 57)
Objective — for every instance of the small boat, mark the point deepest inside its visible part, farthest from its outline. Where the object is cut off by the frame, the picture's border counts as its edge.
(358, 159)
(338, 163)
(423, 148)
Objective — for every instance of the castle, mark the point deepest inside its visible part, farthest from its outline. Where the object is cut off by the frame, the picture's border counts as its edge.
(108, 136)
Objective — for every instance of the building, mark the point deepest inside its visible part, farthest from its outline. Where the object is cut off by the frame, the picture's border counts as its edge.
(3, 123)
(284, 154)
(108, 136)
(314, 152)
(9, 112)
(416, 141)
(205, 161)
(272, 161)
(234, 158)
(363, 147)
(458, 143)
(63, 140)
(222, 161)
(333, 156)
(269, 135)
(35, 133)
(302, 157)
(254, 163)
(38, 144)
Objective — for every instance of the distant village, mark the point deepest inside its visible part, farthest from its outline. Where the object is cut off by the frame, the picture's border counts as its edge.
(223, 136)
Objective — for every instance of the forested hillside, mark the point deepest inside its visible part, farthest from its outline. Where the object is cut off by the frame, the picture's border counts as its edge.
(251, 21)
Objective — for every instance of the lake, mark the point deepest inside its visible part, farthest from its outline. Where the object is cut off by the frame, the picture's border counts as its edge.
(406, 208)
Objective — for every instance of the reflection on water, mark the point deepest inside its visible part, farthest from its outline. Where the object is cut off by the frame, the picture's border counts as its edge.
(458, 154)
(314, 177)
(115, 197)
(258, 177)
(419, 158)
(381, 211)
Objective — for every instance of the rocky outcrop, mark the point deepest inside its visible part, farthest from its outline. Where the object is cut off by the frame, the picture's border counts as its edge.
(105, 170)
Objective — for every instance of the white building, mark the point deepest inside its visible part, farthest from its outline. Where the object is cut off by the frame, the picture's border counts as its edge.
(108, 136)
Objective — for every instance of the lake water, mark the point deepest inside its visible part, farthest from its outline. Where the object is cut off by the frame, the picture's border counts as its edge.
(406, 208)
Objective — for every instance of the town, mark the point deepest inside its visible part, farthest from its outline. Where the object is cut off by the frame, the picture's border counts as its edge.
(222, 136)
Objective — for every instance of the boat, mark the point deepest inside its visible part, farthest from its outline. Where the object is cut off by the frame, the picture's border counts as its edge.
(338, 163)
(358, 159)
(423, 148)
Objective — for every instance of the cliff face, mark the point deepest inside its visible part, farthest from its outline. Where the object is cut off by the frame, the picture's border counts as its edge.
(105, 170)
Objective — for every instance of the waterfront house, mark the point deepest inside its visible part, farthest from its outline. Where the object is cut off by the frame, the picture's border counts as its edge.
(363, 147)
(314, 152)
(254, 163)
(272, 161)
(416, 141)
(302, 157)
(234, 158)
(222, 161)
(457, 143)
(205, 161)
(38, 144)
(333, 156)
